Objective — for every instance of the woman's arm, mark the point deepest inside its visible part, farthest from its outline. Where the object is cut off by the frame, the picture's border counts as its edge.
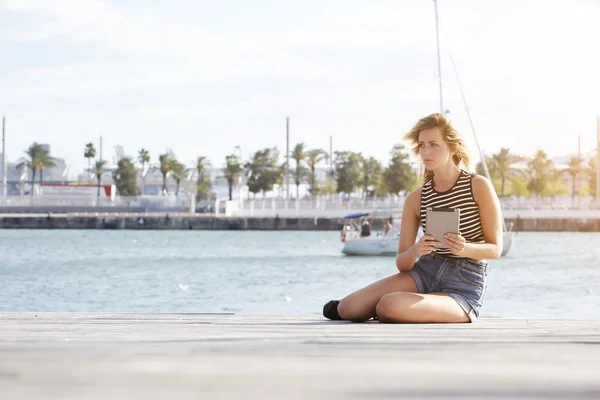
(409, 226)
(491, 224)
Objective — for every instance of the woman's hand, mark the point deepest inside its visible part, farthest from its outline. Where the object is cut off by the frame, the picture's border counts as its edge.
(425, 245)
(456, 243)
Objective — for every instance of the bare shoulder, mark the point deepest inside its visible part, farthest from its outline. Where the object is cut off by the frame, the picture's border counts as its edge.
(483, 189)
(413, 201)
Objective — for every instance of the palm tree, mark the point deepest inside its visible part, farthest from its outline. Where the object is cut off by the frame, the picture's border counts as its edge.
(89, 153)
(574, 169)
(314, 157)
(540, 171)
(491, 165)
(591, 169)
(45, 162)
(98, 170)
(166, 168)
(178, 173)
(503, 162)
(36, 156)
(201, 183)
(143, 158)
(298, 155)
(232, 171)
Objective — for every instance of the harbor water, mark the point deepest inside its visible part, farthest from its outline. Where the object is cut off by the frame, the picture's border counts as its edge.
(545, 275)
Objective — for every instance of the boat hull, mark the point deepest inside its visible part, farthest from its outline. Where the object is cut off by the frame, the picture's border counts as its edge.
(372, 246)
(388, 246)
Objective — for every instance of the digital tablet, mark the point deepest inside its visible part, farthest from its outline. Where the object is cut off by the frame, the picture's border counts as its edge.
(441, 221)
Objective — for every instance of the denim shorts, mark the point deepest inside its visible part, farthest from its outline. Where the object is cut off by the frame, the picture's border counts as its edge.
(463, 279)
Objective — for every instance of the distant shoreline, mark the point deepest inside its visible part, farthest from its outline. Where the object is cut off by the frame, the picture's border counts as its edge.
(184, 221)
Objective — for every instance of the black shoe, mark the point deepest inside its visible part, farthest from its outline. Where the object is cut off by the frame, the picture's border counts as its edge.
(330, 310)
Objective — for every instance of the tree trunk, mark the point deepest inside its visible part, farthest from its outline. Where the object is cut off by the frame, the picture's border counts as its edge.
(502, 186)
(32, 181)
(573, 191)
(142, 190)
(89, 168)
(313, 182)
(164, 188)
(230, 189)
(99, 179)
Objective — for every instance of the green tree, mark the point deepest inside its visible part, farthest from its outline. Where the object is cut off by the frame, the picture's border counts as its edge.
(125, 177)
(503, 167)
(555, 187)
(370, 173)
(165, 165)
(381, 187)
(89, 153)
(492, 166)
(313, 158)
(178, 174)
(264, 170)
(576, 167)
(232, 171)
(414, 183)
(399, 176)
(347, 171)
(328, 187)
(203, 183)
(45, 162)
(144, 159)
(98, 170)
(36, 159)
(518, 188)
(584, 191)
(541, 172)
(300, 172)
(591, 172)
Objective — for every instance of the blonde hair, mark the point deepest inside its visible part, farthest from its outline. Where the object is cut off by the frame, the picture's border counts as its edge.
(451, 136)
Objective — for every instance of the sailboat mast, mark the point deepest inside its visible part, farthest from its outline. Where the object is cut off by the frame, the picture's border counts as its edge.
(437, 39)
(481, 155)
(483, 163)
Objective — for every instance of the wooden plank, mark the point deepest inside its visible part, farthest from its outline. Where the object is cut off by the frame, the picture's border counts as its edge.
(222, 356)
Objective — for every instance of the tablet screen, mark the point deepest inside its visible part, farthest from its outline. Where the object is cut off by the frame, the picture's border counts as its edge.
(441, 221)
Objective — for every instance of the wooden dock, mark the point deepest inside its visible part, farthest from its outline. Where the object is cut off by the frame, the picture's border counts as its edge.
(208, 356)
(524, 221)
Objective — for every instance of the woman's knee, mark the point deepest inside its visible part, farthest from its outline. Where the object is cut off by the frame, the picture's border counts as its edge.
(395, 307)
(351, 309)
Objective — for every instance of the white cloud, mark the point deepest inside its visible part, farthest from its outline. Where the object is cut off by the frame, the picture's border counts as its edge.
(363, 74)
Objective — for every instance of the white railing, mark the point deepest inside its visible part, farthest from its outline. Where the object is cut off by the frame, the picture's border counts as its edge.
(337, 208)
(324, 206)
(318, 207)
(147, 203)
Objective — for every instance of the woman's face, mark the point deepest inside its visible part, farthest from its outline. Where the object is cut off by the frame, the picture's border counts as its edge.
(433, 150)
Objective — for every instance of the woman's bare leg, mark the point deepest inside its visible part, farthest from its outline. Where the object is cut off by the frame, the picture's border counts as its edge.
(419, 308)
(360, 305)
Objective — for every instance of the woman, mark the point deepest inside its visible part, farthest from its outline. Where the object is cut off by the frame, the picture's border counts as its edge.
(435, 284)
(387, 227)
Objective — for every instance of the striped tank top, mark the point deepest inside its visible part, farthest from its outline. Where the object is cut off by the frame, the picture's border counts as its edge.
(458, 196)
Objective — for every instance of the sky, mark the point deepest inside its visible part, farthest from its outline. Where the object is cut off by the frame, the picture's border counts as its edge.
(201, 77)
